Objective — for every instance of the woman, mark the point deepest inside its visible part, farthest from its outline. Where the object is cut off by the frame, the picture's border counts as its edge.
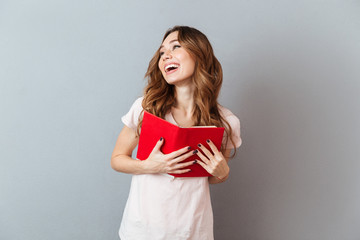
(184, 80)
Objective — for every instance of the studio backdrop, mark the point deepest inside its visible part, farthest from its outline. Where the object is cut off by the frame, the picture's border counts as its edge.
(69, 70)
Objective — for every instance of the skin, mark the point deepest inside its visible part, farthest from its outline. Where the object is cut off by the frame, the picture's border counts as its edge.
(212, 161)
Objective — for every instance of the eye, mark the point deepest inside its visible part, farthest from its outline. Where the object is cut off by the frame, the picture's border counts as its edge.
(176, 46)
(161, 53)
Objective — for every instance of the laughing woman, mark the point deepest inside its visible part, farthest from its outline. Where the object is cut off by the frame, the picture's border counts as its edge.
(184, 81)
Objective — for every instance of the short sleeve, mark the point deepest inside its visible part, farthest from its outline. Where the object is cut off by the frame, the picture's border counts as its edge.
(234, 123)
(131, 119)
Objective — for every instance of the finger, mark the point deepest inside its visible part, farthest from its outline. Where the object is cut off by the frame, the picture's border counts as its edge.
(212, 146)
(207, 153)
(182, 157)
(158, 145)
(178, 152)
(180, 171)
(203, 158)
(204, 166)
(183, 165)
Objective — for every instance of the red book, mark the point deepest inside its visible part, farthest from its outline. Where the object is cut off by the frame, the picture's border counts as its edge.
(175, 138)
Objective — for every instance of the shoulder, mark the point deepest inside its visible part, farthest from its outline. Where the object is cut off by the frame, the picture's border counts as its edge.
(131, 119)
(136, 107)
(137, 103)
(234, 123)
(228, 115)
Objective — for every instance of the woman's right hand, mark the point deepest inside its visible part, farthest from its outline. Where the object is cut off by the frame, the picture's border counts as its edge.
(157, 162)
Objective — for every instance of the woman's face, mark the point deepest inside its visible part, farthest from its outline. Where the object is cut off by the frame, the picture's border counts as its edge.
(175, 63)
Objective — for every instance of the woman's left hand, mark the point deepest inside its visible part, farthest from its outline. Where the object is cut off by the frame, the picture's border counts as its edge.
(214, 163)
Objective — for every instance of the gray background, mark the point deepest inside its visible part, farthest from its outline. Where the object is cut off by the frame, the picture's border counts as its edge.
(70, 69)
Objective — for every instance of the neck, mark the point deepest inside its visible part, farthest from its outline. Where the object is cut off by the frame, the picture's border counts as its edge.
(184, 96)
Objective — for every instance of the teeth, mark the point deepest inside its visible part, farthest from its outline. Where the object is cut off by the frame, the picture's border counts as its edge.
(171, 65)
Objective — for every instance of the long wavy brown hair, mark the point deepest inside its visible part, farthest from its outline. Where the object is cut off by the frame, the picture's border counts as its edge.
(159, 96)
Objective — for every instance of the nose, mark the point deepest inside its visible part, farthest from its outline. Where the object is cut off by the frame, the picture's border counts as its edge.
(166, 55)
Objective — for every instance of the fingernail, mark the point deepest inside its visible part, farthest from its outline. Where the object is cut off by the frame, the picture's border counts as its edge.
(199, 145)
(189, 148)
(194, 162)
(208, 140)
(161, 139)
(195, 151)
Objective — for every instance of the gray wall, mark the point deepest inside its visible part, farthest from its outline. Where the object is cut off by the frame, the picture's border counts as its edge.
(70, 69)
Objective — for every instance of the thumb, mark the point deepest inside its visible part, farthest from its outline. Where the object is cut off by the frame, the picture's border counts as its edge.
(158, 145)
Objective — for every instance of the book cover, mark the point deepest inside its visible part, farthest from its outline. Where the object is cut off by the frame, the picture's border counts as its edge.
(175, 138)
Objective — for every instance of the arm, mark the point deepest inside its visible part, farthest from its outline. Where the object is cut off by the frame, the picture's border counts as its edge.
(157, 162)
(121, 160)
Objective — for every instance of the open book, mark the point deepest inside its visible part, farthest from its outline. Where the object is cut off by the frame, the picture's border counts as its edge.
(175, 138)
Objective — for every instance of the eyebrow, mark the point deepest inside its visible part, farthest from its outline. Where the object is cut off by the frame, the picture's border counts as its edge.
(175, 40)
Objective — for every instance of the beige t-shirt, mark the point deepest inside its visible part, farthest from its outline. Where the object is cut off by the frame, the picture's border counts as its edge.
(162, 207)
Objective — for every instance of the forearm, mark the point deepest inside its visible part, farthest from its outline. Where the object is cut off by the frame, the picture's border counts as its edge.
(126, 164)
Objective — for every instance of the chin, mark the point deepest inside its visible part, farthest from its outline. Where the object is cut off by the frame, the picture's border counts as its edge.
(180, 83)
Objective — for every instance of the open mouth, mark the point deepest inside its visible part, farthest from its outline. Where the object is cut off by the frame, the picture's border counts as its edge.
(171, 68)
